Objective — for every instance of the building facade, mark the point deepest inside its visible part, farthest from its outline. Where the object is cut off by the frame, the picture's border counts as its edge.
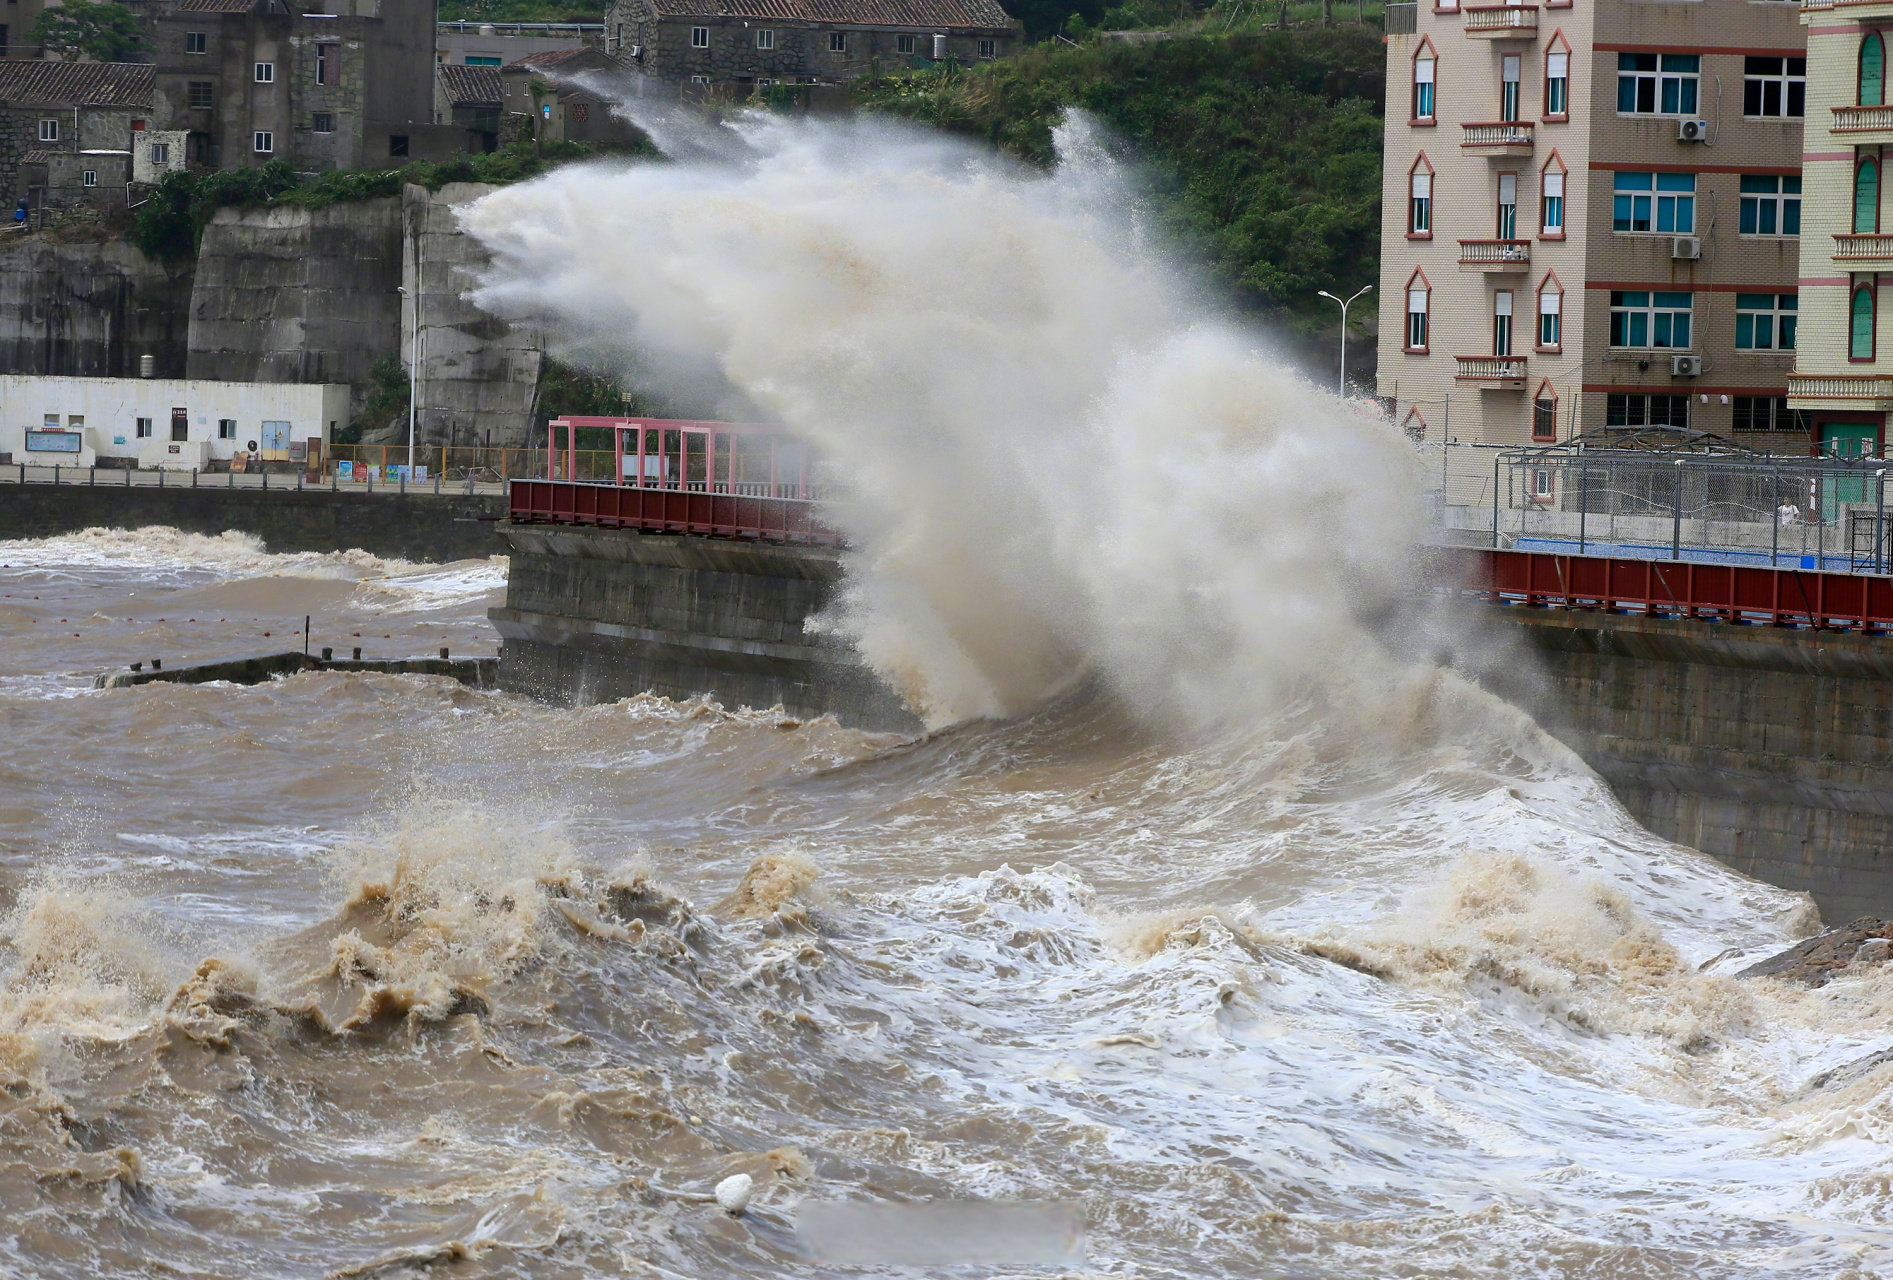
(1592, 219)
(71, 131)
(1843, 376)
(176, 424)
(340, 84)
(494, 44)
(750, 42)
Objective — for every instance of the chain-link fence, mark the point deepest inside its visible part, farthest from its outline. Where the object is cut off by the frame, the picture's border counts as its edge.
(1813, 513)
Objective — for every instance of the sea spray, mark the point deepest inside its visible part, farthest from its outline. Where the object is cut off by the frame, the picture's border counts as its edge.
(1057, 455)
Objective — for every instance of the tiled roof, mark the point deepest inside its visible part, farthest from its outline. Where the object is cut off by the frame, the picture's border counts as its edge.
(215, 6)
(549, 59)
(33, 157)
(471, 86)
(938, 15)
(93, 84)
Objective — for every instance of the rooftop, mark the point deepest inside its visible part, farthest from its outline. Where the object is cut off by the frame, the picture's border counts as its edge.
(471, 86)
(938, 15)
(91, 84)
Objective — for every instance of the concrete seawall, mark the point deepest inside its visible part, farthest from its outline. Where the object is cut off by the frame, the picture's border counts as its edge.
(1771, 749)
(593, 615)
(412, 526)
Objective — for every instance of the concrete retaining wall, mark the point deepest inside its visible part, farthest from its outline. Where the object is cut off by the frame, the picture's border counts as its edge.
(596, 615)
(1770, 749)
(89, 309)
(415, 526)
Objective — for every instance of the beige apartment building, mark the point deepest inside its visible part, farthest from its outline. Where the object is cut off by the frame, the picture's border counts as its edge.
(1843, 377)
(1592, 218)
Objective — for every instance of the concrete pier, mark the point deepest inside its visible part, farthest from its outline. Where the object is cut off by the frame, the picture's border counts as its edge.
(593, 615)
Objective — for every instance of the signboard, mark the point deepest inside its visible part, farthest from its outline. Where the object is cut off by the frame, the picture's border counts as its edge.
(345, 471)
(54, 441)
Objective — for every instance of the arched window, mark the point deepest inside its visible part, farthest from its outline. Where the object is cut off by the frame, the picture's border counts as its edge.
(1558, 78)
(1414, 426)
(1872, 70)
(1420, 200)
(1425, 65)
(1550, 313)
(1860, 325)
(1544, 418)
(1419, 296)
(1551, 199)
(1867, 196)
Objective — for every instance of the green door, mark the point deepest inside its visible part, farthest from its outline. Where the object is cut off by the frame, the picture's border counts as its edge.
(1845, 440)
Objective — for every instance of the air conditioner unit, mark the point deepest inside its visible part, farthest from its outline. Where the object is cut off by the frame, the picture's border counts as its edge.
(1686, 248)
(1685, 366)
(1692, 130)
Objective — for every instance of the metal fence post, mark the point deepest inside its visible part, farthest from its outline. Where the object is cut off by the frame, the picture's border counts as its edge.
(1496, 458)
(1584, 497)
(1879, 522)
(1676, 515)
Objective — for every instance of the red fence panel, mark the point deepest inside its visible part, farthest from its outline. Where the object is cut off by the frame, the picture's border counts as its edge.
(716, 515)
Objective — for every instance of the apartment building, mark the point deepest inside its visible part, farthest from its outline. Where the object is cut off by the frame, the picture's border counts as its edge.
(1842, 382)
(1592, 219)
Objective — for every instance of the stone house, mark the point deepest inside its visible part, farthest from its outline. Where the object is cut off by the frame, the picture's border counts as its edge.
(328, 84)
(750, 42)
(67, 131)
(567, 96)
(469, 98)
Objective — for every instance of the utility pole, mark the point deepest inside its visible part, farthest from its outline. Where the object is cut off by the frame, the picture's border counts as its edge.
(1340, 388)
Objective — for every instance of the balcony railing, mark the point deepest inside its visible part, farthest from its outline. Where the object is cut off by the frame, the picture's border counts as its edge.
(1501, 21)
(1862, 119)
(1402, 19)
(1490, 368)
(1863, 248)
(1497, 133)
(1840, 386)
(1496, 255)
(1846, 4)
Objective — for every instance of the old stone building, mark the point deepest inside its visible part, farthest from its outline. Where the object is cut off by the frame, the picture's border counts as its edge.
(748, 42)
(335, 84)
(469, 98)
(67, 132)
(566, 96)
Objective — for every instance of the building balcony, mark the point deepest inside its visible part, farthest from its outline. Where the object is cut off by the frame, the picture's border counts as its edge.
(1494, 255)
(1491, 373)
(1863, 248)
(1860, 9)
(1864, 119)
(1501, 22)
(1498, 139)
(1840, 391)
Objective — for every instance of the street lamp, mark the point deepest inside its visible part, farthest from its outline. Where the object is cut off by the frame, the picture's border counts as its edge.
(1341, 383)
(414, 371)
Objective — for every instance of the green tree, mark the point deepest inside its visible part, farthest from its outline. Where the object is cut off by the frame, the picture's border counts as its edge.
(102, 31)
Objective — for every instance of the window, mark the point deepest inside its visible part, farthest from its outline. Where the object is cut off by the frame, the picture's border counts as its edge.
(1771, 206)
(1507, 228)
(1774, 86)
(1866, 197)
(903, 44)
(1861, 326)
(1544, 426)
(196, 42)
(325, 55)
(90, 178)
(49, 131)
(1657, 84)
(837, 42)
(1540, 476)
(1420, 202)
(142, 428)
(484, 60)
(161, 153)
(180, 424)
(1662, 202)
(323, 122)
(1557, 84)
(1417, 295)
(263, 142)
(1502, 323)
(266, 73)
(397, 144)
(1550, 315)
(1768, 413)
(699, 79)
(699, 37)
(1646, 411)
(1508, 86)
(1642, 318)
(765, 39)
(1551, 205)
(50, 421)
(200, 95)
(226, 428)
(988, 49)
(1423, 84)
(1764, 321)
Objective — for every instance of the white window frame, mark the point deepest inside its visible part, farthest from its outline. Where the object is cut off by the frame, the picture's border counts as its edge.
(766, 39)
(1779, 319)
(1551, 202)
(263, 142)
(1426, 72)
(904, 44)
(1651, 310)
(1511, 90)
(1660, 79)
(1550, 307)
(197, 42)
(1558, 73)
(316, 119)
(89, 178)
(141, 429)
(699, 79)
(1776, 201)
(1420, 203)
(49, 130)
(989, 48)
(161, 153)
(226, 428)
(1503, 337)
(266, 73)
(1423, 295)
(838, 42)
(699, 37)
(1657, 198)
(1783, 82)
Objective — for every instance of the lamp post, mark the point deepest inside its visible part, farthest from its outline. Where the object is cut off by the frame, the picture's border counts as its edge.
(1341, 382)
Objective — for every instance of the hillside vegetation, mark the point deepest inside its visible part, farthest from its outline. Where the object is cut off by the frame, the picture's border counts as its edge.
(1262, 148)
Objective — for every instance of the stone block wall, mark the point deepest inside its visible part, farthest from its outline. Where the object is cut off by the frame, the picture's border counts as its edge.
(89, 309)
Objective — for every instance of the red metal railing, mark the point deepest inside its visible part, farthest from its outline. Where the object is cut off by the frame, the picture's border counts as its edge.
(715, 515)
(1731, 593)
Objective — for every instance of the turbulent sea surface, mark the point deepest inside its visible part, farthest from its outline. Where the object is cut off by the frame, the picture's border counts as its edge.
(366, 975)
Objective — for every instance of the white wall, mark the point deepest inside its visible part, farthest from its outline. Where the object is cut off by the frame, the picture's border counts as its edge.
(110, 408)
